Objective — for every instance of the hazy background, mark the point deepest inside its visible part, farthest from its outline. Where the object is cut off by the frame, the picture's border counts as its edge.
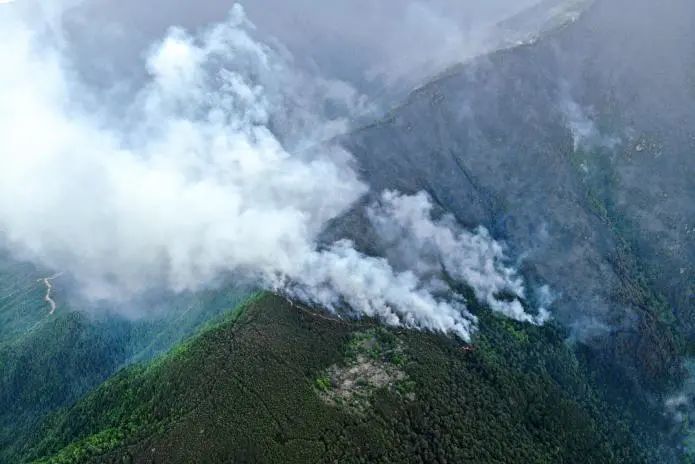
(381, 47)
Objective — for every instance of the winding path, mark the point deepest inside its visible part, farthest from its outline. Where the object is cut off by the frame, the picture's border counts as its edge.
(49, 288)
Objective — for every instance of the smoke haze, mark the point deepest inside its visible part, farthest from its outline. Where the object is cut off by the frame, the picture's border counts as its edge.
(209, 171)
(383, 47)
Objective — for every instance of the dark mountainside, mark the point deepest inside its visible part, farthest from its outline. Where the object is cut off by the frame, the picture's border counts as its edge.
(606, 221)
(576, 149)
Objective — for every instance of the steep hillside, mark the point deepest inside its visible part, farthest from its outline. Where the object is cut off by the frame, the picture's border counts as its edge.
(578, 150)
(278, 382)
(22, 293)
(48, 361)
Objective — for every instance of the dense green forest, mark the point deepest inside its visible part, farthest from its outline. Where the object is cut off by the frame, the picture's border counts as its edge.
(277, 382)
(48, 361)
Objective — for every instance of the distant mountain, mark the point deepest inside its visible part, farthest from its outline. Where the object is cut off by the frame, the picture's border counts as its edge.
(537, 21)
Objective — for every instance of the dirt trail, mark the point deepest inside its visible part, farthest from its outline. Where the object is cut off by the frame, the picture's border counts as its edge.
(49, 288)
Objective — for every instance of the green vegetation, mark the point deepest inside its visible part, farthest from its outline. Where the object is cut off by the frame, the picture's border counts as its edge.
(90, 447)
(50, 361)
(377, 344)
(323, 383)
(656, 349)
(250, 389)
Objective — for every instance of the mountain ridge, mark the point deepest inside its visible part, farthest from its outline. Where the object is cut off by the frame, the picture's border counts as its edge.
(251, 389)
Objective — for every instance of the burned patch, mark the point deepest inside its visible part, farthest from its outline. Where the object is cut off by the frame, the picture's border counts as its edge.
(374, 360)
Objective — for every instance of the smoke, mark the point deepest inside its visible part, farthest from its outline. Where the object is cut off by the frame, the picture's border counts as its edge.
(340, 276)
(439, 250)
(581, 123)
(209, 172)
(425, 260)
(193, 182)
(383, 47)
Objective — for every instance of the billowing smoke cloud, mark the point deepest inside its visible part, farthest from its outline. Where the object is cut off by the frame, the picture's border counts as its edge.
(191, 183)
(209, 171)
(425, 258)
(431, 247)
(340, 276)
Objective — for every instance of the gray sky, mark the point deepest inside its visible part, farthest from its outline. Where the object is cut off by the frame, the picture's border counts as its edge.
(374, 45)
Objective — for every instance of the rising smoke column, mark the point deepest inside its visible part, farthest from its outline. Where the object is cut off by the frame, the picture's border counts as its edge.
(206, 173)
(192, 182)
(437, 249)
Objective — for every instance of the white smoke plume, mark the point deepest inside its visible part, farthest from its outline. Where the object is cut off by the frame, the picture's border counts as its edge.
(191, 183)
(402, 288)
(206, 173)
(340, 276)
(429, 246)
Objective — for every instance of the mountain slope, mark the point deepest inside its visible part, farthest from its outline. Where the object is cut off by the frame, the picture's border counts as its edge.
(48, 361)
(278, 382)
(578, 150)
